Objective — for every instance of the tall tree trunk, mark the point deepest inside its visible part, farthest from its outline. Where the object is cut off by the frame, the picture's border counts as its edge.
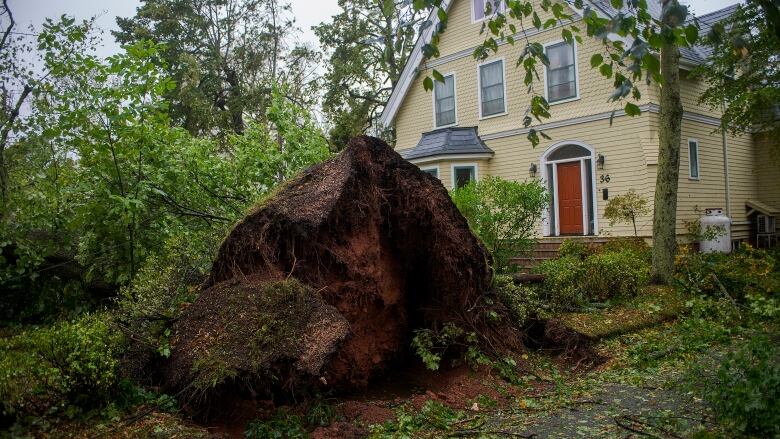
(667, 179)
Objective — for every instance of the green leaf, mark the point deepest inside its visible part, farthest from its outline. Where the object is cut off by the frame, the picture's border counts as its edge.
(388, 7)
(437, 76)
(632, 109)
(606, 70)
(596, 60)
(428, 83)
(691, 33)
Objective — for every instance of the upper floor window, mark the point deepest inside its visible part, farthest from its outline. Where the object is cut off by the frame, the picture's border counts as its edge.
(491, 89)
(434, 171)
(482, 9)
(444, 101)
(693, 159)
(561, 74)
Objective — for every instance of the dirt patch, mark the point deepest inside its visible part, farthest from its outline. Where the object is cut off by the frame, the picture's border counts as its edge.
(377, 239)
(569, 348)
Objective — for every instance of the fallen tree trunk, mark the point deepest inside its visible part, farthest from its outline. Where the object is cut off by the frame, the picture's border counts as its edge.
(377, 249)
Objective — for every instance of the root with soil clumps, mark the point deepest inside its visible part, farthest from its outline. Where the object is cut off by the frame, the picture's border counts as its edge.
(323, 283)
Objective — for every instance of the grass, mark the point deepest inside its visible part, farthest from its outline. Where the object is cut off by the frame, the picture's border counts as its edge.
(652, 306)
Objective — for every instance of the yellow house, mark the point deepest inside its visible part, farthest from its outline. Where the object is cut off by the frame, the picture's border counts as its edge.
(470, 126)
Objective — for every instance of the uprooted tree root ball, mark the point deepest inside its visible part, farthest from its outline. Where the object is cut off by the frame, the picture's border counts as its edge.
(322, 285)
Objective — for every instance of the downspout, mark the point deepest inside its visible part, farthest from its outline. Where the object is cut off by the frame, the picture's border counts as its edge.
(725, 160)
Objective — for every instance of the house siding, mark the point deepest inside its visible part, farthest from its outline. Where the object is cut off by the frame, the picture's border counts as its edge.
(630, 145)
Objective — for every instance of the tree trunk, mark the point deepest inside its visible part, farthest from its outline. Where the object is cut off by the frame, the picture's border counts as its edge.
(667, 179)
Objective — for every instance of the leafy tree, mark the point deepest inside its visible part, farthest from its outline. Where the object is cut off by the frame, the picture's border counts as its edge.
(651, 54)
(503, 214)
(744, 71)
(368, 42)
(625, 208)
(224, 56)
(101, 173)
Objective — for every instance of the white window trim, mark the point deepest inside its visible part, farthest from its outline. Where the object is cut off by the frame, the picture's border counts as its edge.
(479, 87)
(474, 19)
(543, 162)
(455, 99)
(698, 160)
(431, 168)
(463, 165)
(576, 74)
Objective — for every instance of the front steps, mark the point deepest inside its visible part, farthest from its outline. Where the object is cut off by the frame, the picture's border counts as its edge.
(547, 248)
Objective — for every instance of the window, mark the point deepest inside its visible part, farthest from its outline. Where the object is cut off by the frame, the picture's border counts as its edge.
(433, 171)
(491, 88)
(693, 159)
(444, 98)
(561, 74)
(463, 174)
(479, 8)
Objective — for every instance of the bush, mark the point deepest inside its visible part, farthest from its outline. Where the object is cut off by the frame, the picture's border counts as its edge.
(748, 275)
(571, 247)
(521, 301)
(147, 307)
(614, 274)
(503, 213)
(562, 288)
(626, 208)
(637, 245)
(746, 394)
(68, 364)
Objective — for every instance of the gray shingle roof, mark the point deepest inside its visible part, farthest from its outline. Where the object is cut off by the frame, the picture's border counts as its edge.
(448, 141)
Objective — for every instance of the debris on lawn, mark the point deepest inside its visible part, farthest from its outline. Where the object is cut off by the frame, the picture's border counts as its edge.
(321, 286)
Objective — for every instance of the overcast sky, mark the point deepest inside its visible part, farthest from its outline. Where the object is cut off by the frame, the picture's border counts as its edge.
(307, 12)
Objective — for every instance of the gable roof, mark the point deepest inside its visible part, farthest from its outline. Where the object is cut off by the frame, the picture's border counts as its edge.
(691, 56)
(448, 141)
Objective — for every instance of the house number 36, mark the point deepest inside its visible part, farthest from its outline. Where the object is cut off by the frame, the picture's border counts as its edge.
(604, 178)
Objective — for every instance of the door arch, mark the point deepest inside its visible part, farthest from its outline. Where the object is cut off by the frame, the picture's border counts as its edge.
(573, 158)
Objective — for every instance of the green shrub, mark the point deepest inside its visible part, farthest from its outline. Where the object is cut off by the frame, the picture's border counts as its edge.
(637, 245)
(166, 280)
(626, 208)
(573, 247)
(614, 274)
(562, 288)
(68, 364)
(746, 394)
(283, 425)
(748, 275)
(503, 213)
(521, 301)
(432, 420)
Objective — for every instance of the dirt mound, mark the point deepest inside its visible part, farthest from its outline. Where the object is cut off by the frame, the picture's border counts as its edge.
(376, 238)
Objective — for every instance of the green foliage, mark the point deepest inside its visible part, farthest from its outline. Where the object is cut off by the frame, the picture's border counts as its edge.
(745, 53)
(614, 274)
(283, 425)
(571, 281)
(562, 288)
(139, 181)
(434, 417)
(430, 345)
(223, 81)
(746, 275)
(746, 392)
(71, 364)
(626, 208)
(637, 245)
(573, 247)
(520, 300)
(503, 214)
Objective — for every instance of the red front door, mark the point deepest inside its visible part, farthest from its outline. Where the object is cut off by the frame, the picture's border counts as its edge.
(570, 198)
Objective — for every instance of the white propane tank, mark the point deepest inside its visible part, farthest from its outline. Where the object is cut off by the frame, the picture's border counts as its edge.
(716, 228)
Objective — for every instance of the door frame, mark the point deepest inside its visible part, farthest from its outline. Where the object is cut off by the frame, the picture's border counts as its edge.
(543, 162)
